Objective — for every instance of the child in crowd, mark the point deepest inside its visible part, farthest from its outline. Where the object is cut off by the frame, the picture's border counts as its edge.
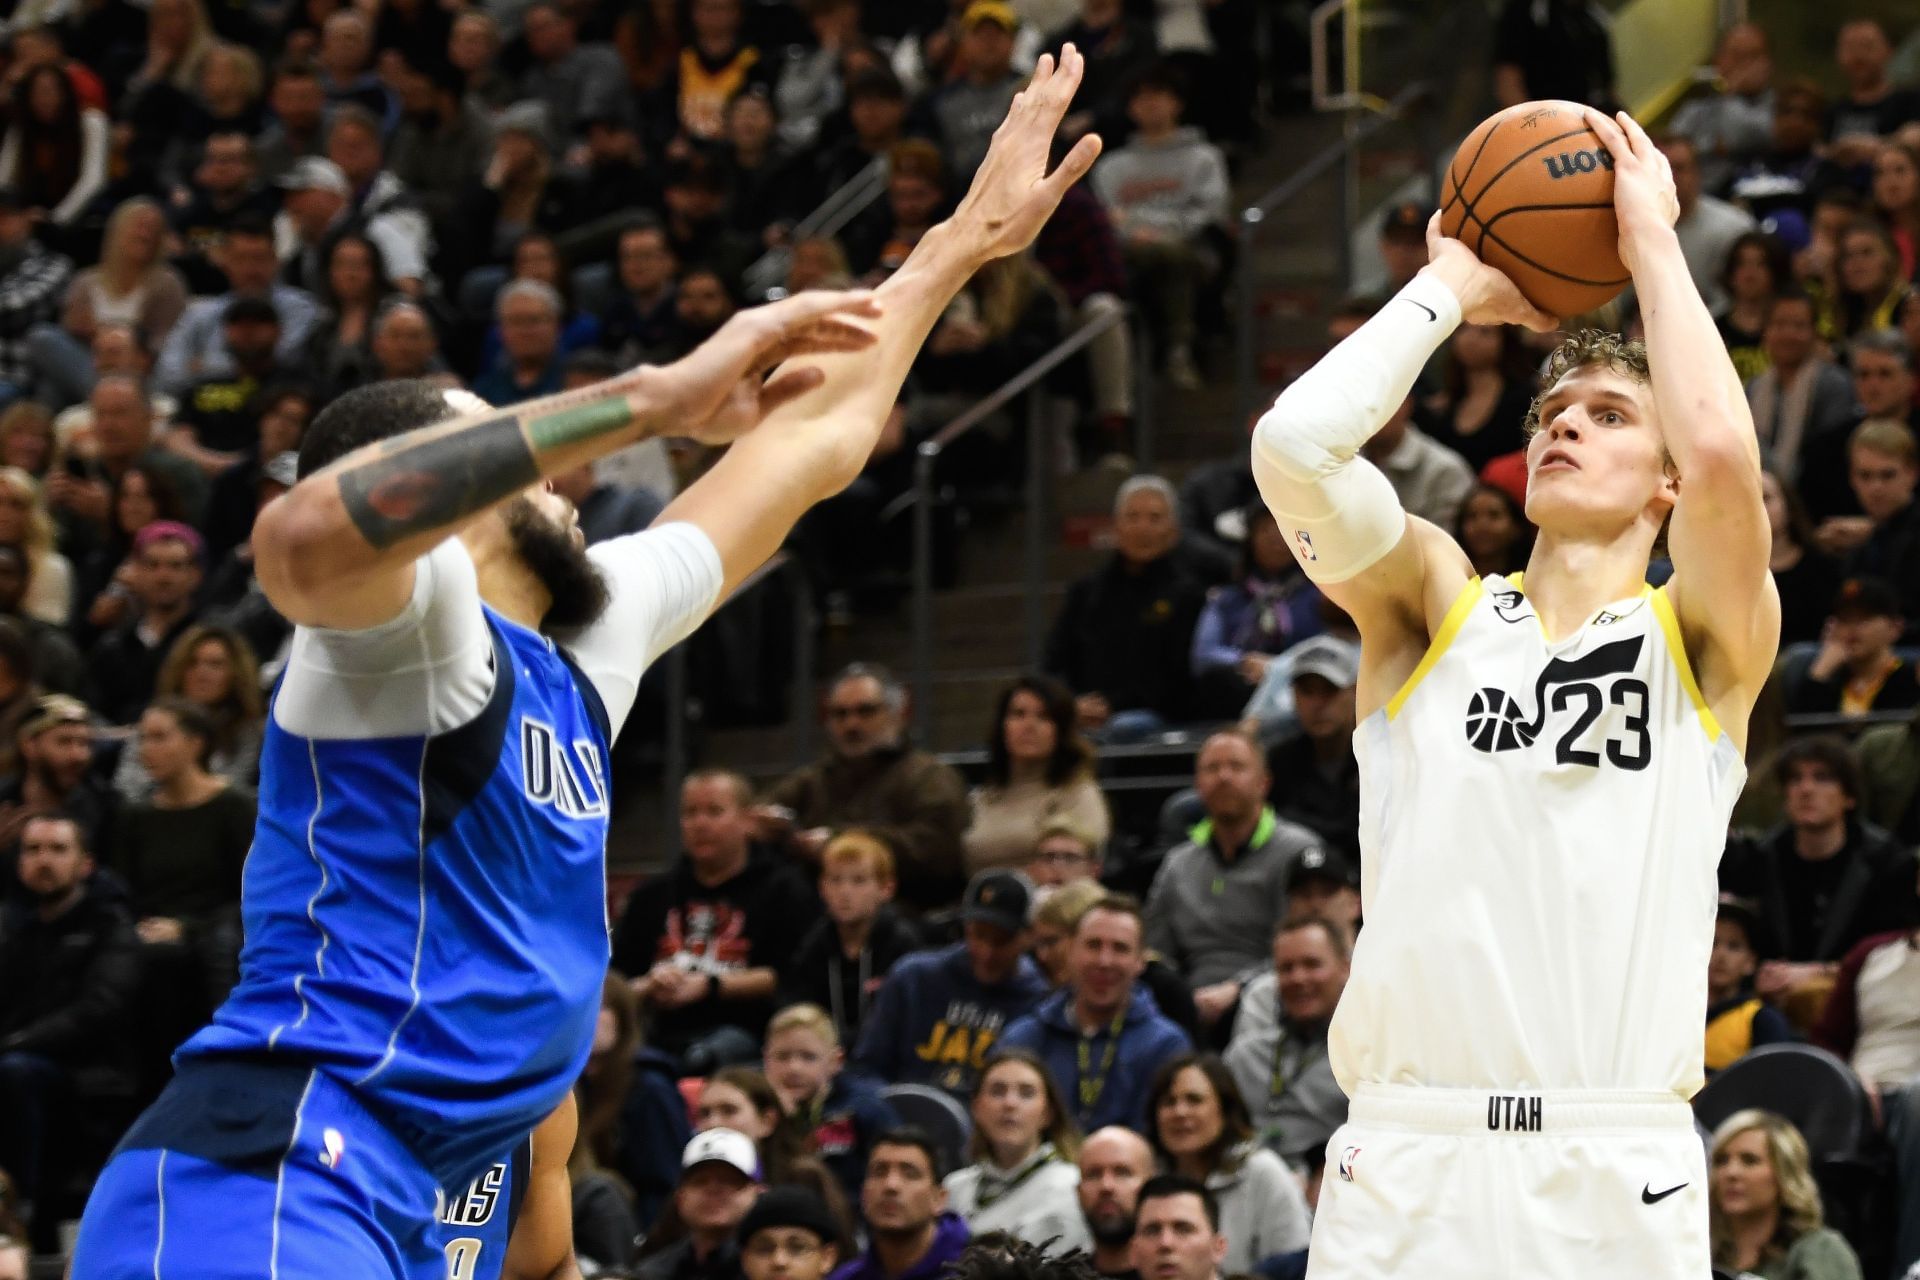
(1738, 1021)
(843, 958)
(840, 1114)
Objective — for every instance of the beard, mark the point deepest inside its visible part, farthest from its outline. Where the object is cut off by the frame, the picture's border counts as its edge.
(1110, 1230)
(576, 586)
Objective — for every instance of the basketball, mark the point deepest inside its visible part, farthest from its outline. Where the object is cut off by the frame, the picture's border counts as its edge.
(1531, 193)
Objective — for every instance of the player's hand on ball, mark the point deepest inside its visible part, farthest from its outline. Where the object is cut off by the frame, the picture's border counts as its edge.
(1486, 295)
(1644, 198)
(721, 390)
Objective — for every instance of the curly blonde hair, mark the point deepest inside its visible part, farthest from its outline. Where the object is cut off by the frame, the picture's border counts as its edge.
(1583, 350)
(1799, 1210)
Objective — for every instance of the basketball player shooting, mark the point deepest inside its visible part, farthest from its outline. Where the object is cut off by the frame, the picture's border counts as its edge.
(424, 902)
(1548, 764)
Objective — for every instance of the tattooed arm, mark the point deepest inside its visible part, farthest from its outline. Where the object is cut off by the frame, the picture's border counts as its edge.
(338, 549)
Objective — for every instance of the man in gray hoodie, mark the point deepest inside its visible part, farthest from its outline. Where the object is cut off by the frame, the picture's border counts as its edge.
(1163, 190)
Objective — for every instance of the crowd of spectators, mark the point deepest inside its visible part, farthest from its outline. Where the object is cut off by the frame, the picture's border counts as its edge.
(213, 221)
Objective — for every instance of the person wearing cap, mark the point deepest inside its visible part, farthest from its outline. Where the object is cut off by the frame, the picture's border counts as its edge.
(940, 1012)
(1738, 1021)
(1278, 1054)
(319, 210)
(788, 1235)
(56, 772)
(1102, 1036)
(1219, 895)
(1166, 190)
(970, 107)
(1325, 884)
(1317, 779)
(168, 564)
(1856, 669)
(697, 1237)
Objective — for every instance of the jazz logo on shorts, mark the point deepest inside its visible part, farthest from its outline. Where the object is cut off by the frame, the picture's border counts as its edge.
(1347, 1160)
(1305, 542)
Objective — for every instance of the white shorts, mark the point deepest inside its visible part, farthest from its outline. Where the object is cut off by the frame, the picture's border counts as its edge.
(1431, 1184)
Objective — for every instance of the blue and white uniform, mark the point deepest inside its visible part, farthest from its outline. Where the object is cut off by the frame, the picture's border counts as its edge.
(426, 932)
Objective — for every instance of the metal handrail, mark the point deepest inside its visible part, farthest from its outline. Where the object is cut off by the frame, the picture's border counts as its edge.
(846, 203)
(1256, 213)
(674, 750)
(1026, 382)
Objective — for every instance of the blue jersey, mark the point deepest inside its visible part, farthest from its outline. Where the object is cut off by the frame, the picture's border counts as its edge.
(477, 1223)
(426, 915)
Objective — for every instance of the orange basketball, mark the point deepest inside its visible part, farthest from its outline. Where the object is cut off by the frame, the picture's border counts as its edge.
(1531, 192)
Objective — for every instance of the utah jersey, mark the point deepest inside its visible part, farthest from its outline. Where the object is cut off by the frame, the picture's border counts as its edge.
(1541, 824)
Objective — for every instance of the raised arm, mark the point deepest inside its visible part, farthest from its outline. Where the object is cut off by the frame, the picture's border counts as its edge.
(338, 549)
(1719, 538)
(815, 446)
(1396, 574)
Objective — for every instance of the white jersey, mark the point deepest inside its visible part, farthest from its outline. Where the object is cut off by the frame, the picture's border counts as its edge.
(1541, 824)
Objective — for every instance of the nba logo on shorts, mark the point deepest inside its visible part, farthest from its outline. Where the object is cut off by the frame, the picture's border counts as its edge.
(1347, 1159)
(1305, 542)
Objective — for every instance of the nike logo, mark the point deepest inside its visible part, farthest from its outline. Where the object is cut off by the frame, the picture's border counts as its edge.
(1649, 1196)
(1432, 315)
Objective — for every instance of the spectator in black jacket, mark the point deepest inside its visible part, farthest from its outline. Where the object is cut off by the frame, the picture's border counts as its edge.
(68, 971)
(169, 562)
(1123, 638)
(1118, 46)
(1317, 779)
(850, 950)
(703, 938)
(1856, 669)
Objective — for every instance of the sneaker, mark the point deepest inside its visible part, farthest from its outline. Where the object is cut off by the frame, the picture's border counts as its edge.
(1181, 371)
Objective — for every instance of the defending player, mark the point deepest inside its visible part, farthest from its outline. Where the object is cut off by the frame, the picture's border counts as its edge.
(1548, 764)
(425, 898)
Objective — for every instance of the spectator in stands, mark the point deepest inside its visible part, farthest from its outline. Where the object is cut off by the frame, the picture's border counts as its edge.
(1708, 225)
(298, 104)
(1063, 855)
(1119, 47)
(1403, 244)
(27, 438)
(912, 1234)
(695, 198)
(55, 151)
(1738, 1021)
(1883, 466)
(1079, 250)
(1218, 897)
(703, 302)
(740, 1098)
(1039, 771)
(215, 425)
(1872, 109)
(715, 64)
(1552, 49)
(1871, 1018)
(529, 315)
(1279, 1051)
(601, 196)
(605, 511)
(704, 937)
(473, 47)
(169, 563)
(1201, 1130)
(132, 284)
(1825, 878)
(444, 140)
(319, 213)
(1101, 1036)
(87, 488)
(872, 779)
(1122, 641)
(788, 1235)
(1486, 388)
(69, 969)
(355, 142)
(1248, 622)
(763, 202)
(1864, 291)
(404, 343)
(1115, 1162)
(1758, 270)
(1057, 917)
(809, 90)
(345, 59)
(1765, 1206)
(32, 282)
(1324, 885)
(212, 668)
(847, 953)
(573, 80)
(1802, 573)
(640, 318)
(223, 187)
(1177, 1231)
(1430, 479)
(1856, 670)
(56, 758)
(916, 195)
(1794, 171)
(1166, 189)
(1802, 401)
(197, 347)
(720, 1179)
(1734, 123)
(972, 105)
(1024, 1177)
(277, 420)
(838, 1112)
(1493, 530)
(26, 526)
(1896, 198)
(353, 290)
(50, 653)
(940, 1012)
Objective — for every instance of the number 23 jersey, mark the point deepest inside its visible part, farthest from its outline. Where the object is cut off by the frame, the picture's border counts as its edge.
(1540, 828)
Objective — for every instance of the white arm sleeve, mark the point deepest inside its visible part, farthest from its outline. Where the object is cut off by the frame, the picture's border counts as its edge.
(427, 670)
(1338, 511)
(663, 583)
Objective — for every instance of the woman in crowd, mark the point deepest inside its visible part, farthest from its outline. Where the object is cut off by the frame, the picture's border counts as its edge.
(1896, 198)
(1023, 1179)
(1804, 574)
(1758, 270)
(141, 496)
(1481, 410)
(213, 668)
(1267, 608)
(605, 1222)
(1866, 288)
(340, 350)
(178, 39)
(132, 285)
(1764, 1209)
(55, 151)
(1493, 530)
(226, 100)
(741, 1098)
(26, 525)
(1201, 1128)
(26, 438)
(1039, 770)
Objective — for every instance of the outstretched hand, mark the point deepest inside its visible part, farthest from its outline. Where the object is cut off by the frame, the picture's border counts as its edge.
(720, 391)
(1644, 198)
(1012, 194)
(1486, 295)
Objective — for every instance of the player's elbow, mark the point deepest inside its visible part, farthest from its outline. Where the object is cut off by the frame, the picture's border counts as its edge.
(293, 550)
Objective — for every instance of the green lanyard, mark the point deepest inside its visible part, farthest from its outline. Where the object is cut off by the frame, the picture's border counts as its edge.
(1090, 1089)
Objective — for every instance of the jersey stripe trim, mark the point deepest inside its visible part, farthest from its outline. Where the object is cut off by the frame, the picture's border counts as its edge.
(313, 905)
(1676, 645)
(1457, 614)
(160, 1211)
(280, 1178)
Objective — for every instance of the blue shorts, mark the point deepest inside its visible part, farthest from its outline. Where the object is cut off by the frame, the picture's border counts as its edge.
(246, 1169)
